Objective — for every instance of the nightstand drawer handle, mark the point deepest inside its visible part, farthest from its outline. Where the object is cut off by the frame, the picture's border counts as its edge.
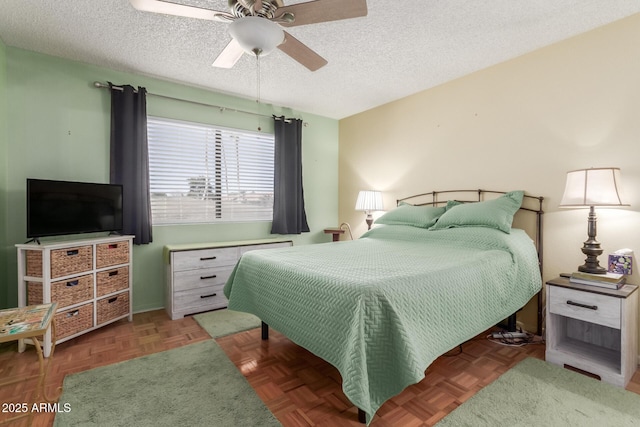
(213, 276)
(577, 304)
(207, 258)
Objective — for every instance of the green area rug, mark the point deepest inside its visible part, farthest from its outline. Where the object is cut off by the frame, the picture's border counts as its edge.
(194, 385)
(537, 393)
(226, 322)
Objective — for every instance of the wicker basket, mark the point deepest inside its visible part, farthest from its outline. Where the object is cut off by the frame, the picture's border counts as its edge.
(65, 292)
(110, 281)
(74, 320)
(113, 307)
(64, 262)
(108, 254)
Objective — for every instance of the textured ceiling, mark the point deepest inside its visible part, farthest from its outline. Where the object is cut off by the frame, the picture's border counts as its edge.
(398, 49)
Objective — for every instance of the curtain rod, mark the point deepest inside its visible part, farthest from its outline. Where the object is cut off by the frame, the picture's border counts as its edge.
(222, 109)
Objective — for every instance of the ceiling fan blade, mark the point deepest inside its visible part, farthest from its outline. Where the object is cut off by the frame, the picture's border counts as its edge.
(229, 55)
(301, 53)
(316, 11)
(171, 8)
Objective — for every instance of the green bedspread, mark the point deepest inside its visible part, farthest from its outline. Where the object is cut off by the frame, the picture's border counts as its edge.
(382, 308)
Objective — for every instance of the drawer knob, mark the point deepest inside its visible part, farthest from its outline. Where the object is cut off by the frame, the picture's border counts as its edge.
(208, 258)
(213, 276)
(113, 246)
(73, 313)
(577, 304)
(72, 252)
(73, 283)
(112, 300)
(208, 296)
(113, 273)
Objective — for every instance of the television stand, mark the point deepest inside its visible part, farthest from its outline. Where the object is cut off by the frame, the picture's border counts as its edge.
(90, 279)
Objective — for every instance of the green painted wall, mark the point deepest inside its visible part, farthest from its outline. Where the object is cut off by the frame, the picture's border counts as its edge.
(59, 129)
(4, 248)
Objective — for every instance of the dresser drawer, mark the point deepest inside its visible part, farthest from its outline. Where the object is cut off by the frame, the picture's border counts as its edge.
(114, 253)
(589, 307)
(204, 258)
(65, 292)
(73, 321)
(109, 281)
(63, 262)
(201, 298)
(112, 307)
(192, 279)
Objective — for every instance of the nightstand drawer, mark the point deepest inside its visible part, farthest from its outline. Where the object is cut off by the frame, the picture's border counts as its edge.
(589, 307)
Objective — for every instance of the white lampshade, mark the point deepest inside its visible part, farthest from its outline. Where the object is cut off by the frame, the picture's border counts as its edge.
(593, 187)
(256, 35)
(369, 201)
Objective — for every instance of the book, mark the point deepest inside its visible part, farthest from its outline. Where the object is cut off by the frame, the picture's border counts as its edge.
(606, 277)
(608, 280)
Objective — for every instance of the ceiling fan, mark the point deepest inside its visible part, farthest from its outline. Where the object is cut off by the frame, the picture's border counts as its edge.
(255, 26)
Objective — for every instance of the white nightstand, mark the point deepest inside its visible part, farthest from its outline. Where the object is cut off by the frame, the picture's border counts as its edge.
(593, 329)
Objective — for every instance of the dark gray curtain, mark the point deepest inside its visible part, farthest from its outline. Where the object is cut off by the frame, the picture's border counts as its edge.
(289, 216)
(129, 158)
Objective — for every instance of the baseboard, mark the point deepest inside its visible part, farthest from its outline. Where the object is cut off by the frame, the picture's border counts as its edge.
(148, 309)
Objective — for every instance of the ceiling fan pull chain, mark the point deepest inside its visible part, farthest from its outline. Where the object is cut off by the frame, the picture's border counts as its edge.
(258, 88)
(258, 77)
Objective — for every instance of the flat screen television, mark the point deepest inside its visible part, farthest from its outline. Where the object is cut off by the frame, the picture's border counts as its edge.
(57, 208)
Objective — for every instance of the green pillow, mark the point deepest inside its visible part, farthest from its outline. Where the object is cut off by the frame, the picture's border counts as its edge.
(452, 203)
(497, 213)
(417, 216)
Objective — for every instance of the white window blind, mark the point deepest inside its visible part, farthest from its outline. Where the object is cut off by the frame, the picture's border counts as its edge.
(202, 173)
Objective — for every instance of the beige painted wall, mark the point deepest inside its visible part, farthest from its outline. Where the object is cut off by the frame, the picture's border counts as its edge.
(518, 125)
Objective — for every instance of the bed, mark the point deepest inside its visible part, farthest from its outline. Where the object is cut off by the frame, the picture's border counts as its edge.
(382, 308)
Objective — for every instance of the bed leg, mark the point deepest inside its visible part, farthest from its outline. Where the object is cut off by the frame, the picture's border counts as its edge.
(362, 416)
(512, 326)
(265, 331)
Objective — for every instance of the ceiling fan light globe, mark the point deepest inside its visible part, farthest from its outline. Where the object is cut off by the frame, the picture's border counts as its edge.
(255, 34)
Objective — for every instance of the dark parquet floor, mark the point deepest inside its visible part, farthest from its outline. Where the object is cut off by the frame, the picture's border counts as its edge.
(298, 387)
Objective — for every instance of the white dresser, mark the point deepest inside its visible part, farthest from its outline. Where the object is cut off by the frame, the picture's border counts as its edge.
(90, 279)
(196, 273)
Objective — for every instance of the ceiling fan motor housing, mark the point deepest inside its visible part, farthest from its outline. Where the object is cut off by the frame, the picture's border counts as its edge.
(266, 8)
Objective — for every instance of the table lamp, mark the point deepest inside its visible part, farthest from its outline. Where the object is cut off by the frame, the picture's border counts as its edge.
(590, 188)
(369, 201)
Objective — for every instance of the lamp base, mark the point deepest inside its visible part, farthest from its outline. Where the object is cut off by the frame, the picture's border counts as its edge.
(591, 265)
(591, 248)
(369, 221)
(593, 270)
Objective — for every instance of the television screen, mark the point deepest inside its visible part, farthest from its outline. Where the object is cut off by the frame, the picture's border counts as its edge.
(62, 207)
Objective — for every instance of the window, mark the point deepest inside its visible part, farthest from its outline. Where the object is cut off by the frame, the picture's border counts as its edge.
(207, 174)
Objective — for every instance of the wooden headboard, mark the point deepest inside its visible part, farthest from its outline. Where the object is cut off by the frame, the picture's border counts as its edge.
(528, 217)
